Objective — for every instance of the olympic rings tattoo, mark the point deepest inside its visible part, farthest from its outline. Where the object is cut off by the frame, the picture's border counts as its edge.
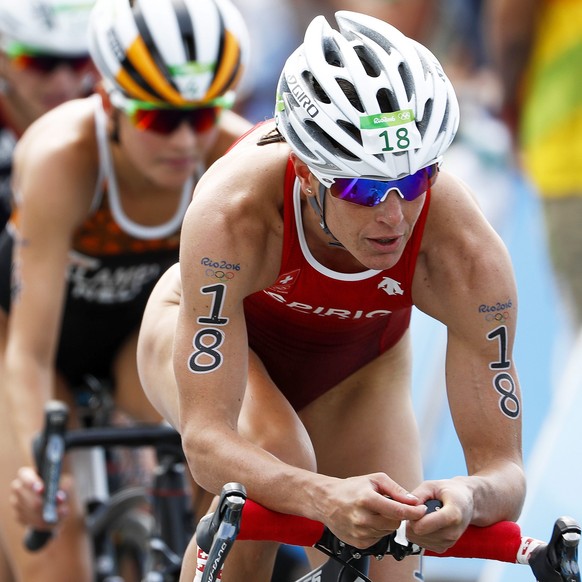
(499, 316)
(220, 275)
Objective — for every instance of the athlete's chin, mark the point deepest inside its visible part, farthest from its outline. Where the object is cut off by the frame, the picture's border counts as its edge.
(382, 264)
(380, 260)
(174, 179)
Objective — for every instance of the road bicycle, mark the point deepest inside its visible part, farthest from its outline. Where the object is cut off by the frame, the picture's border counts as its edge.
(153, 527)
(237, 517)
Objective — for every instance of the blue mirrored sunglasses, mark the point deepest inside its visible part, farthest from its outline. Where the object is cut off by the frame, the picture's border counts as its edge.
(369, 192)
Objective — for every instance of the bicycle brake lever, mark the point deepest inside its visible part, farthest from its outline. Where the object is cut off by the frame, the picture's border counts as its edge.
(557, 561)
(48, 453)
(209, 524)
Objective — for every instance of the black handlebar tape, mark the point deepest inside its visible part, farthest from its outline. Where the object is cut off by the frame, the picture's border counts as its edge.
(49, 454)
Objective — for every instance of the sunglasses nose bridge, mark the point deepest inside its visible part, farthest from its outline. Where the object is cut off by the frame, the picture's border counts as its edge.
(387, 193)
(62, 67)
(180, 125)
(189, 125)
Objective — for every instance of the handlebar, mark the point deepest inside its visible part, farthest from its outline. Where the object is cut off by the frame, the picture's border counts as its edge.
(555, 561)
(50, 446)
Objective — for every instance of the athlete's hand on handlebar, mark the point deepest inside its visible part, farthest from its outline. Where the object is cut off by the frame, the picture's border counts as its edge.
(27, 496)
(362, 510)
(440, 530)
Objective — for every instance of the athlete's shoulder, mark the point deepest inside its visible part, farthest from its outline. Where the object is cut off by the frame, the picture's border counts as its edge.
(452, 202)
(456, 227)
(252, 164)
(58, 151)
(240, 196)
(70, 127)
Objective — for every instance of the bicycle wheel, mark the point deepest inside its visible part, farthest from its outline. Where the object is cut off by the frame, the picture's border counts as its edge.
(131, 542)
(121, 529)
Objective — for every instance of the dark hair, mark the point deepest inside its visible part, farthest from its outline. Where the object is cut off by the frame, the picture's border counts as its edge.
(274, 136)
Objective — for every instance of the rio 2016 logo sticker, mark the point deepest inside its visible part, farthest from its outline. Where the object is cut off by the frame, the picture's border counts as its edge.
(207, 341)
(503, 382)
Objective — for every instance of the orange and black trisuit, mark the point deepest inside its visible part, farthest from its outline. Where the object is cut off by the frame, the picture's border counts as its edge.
(114, 264)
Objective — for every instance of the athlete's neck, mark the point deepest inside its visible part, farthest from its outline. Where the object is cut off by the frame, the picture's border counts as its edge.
(322, 247)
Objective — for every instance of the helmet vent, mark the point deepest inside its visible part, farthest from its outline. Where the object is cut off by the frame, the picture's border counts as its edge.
(351, 94)
(328, 142)
(407, 79)
(368, 60)
(316, 88)
(351, 130)
(332, 53)
(422, 124)
(444, 125)
(386, 100)
(297, 142)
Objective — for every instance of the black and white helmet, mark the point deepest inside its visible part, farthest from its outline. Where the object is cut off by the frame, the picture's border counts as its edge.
(364, 101)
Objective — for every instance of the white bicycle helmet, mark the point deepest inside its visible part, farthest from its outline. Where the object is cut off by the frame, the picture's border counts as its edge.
(49, 26)
(179, 52)
(366, 101)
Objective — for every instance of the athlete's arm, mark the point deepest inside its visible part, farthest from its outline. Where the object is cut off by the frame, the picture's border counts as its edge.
(229, 249)
(52, 177)
(464, 278)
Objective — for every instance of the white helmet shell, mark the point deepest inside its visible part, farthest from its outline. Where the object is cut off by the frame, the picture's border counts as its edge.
(50, 26)
(364, 101)
(174, 51)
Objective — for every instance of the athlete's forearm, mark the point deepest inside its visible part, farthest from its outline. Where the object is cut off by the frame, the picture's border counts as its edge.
(27, 387)
(218, 456)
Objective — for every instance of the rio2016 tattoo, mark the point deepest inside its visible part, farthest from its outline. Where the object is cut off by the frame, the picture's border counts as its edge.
(207, 341)
(503, 382)
(221, 270)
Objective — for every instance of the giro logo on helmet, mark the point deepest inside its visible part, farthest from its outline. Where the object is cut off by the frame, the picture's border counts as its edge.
(303, 100)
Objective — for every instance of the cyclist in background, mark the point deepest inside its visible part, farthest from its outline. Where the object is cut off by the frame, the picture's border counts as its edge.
(44, 61)
(279, 346)
(101, 188)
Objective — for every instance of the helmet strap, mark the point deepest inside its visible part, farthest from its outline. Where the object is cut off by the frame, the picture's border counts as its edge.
(114, 135)
(318, 204)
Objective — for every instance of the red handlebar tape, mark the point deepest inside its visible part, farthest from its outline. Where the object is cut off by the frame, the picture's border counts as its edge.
(260, 523)
(500, 541)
